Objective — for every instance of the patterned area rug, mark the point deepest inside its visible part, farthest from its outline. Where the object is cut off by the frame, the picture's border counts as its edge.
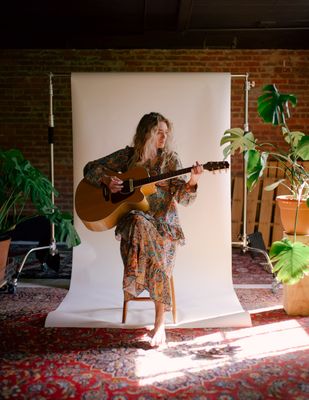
(269, 360)
(250, 268)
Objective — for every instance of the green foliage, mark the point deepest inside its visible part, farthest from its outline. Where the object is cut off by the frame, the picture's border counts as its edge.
(291, 258)
(21, 182)
(273, 107)
(256, 163)
(238, 141)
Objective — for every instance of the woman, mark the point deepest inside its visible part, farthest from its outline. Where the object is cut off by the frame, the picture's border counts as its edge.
(149, 239)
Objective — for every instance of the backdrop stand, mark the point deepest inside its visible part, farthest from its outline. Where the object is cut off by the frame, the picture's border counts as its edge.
(95, 297)
(52, 247)
(53, 257)
(244, 243)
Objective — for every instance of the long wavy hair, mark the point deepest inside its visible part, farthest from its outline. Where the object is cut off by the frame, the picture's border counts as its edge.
(144, 140)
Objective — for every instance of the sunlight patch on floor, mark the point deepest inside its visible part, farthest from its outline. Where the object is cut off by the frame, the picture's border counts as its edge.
(220, 349)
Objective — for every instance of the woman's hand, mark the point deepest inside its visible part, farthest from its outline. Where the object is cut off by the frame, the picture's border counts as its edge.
(113, 183)
(196, 171)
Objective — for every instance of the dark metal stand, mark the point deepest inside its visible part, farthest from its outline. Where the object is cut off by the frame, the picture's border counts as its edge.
(52, 247)
(244, 243)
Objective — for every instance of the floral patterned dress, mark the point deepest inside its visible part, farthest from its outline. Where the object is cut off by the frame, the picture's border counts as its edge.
(148, 239)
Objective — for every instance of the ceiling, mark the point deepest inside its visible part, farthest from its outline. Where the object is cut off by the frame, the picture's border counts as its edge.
(167, 24)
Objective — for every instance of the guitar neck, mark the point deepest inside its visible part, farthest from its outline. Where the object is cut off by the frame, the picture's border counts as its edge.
(210, 166)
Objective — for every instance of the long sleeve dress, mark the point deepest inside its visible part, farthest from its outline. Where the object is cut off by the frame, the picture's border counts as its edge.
(148, 239)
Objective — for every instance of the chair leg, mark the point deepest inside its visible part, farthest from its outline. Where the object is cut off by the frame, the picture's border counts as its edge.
(174, 308)
(124, 311)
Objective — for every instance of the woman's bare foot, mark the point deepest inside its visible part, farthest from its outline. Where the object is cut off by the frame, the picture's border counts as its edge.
(158, 333)
(159, 337)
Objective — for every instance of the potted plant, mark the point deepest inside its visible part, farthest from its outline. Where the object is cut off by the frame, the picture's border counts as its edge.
(20, 184)
(290, 256)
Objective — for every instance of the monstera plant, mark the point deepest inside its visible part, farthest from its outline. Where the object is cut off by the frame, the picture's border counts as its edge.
(290, 257)
(22, 184)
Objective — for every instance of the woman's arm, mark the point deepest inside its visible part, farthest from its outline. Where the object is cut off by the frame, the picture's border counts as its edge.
(184, 191)
(95, 171)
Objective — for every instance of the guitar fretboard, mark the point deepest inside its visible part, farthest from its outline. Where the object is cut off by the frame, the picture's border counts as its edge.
(210, 166)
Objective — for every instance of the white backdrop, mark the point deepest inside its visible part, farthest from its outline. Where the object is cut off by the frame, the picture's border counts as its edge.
(106, 110)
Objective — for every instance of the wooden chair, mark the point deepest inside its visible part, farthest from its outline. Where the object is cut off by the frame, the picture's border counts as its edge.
(173, 310)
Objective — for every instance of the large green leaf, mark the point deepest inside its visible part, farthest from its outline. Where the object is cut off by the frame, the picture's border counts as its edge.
(65, 231)
(20, 181)
(302, 150)
(238, 141)
(291, 260)
(256, 163)
(273, 106)
(274, 185)
(292, 138)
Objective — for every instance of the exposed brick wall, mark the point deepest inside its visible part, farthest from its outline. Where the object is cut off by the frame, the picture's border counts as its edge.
(24, 93)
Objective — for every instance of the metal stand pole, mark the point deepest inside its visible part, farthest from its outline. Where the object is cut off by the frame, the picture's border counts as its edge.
(53, 251)
(243, 244)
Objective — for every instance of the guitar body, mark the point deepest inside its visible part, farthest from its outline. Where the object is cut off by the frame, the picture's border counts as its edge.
(99, 209)
(99, 212)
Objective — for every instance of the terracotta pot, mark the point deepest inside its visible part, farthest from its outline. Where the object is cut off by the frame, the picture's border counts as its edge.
(296, 297)
(4, 251)
(287, 206)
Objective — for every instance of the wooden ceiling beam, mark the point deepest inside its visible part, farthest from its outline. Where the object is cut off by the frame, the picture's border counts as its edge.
(184, 15)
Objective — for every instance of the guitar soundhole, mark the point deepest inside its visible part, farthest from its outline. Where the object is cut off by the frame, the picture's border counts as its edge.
(105, 192)
(126, 187)
(118, 197)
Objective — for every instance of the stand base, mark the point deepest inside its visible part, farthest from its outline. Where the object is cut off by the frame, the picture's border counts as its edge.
(268, 266)
(53, 252)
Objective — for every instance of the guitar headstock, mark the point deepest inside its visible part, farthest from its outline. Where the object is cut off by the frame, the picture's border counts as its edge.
(216, 165)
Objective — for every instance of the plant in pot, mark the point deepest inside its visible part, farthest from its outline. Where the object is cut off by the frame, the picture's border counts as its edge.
(21, 184)
(289, 255)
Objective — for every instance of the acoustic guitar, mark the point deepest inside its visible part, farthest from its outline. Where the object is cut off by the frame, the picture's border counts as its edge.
(100, 210)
